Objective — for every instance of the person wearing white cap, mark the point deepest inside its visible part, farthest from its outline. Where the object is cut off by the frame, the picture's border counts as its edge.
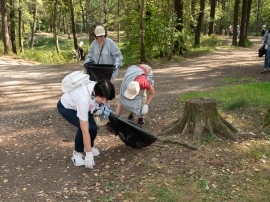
(81, 51)
(136, 91)
(263, 30)
(104, 50)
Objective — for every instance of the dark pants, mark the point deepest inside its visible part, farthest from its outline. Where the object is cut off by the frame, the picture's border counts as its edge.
(71, 116)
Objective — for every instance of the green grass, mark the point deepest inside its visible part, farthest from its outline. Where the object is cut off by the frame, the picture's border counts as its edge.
(251, 95)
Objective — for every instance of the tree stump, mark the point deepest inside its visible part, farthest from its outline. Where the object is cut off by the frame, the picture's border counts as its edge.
(200, 116)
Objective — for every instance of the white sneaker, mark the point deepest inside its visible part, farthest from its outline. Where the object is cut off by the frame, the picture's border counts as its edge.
(95, 152)
(77, 158)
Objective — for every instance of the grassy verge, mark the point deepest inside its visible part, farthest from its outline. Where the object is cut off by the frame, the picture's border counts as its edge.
(44, 50)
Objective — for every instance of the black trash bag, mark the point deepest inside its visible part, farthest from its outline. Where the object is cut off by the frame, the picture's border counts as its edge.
(262, 51)
(130, 133)
(99, 72)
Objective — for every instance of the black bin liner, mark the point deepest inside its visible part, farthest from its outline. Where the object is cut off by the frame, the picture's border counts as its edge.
(99, 71)
(130, 133)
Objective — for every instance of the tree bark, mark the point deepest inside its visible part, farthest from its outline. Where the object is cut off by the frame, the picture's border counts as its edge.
(12, 28)
(89, 20)
(178, 7)
(34, 25)
(73, 25)
(21, 28)
(5, 33)
(55, 27)
(199, 24)
(171, 31)
(201, 117)
(101, 5)
(235, 21)
(212, 17)
(142, 42)
(242, 38)
(82, 11)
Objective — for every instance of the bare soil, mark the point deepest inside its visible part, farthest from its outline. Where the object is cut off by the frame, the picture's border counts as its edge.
(36, 142)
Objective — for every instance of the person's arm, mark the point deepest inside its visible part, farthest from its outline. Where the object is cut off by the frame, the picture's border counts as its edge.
(118, 108)
(116, 54)
(151, 93)
(86, 136)
(90, 56)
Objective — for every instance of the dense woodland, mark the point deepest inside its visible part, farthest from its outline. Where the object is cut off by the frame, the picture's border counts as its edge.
(148, 27)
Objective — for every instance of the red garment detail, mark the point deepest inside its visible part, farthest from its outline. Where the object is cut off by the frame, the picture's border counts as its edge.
(143, 82)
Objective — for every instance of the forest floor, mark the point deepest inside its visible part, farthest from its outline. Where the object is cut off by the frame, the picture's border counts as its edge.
(36, 142)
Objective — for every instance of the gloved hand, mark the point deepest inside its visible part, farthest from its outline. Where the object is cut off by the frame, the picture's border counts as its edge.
(145, 109)
(116, 66)
(89, 160)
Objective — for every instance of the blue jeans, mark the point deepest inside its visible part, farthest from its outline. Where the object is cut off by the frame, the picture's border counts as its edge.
(71, 116)
(267, 58)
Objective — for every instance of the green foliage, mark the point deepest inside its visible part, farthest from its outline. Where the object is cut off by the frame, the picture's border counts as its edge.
(252, 95)
(44, 50)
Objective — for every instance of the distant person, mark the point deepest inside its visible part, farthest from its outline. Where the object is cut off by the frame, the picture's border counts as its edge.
(81, 51)
(263, 30)
(266, 42)
(104, 50)
(230, 31)
(77, 107)
(136, 92)
(238, 31)
(74, 55)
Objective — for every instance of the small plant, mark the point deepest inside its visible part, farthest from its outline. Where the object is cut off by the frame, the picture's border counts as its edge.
(230, 80)
(209, 138)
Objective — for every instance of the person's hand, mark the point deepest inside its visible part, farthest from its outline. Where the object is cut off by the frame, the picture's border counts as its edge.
(116, 66)
(89, 160)
(145, 109)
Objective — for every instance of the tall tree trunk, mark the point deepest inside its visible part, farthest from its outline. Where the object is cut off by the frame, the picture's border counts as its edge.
(55, 28)
(212, 17)
(258, 23)
(142, 42)
(73, 25)
(34, 25)
(178, 7)
(21, 28)
(101, 5)
(89, 20)
(82, 11)
(118, 22)
(242, 39)
(235, 22)
(12, 28)
(4, 12)
(199, 24)
(171, 30)
(248, 16)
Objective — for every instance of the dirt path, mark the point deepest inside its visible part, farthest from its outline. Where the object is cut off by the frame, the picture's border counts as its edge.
(36, 143)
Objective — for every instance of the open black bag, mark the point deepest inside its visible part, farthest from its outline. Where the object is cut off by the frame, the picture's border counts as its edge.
(262, 51)
(99, 71)
(130, 133)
